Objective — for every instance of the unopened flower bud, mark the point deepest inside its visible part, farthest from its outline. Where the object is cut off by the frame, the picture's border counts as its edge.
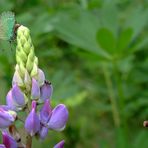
(35, 91)
(46, 91)
(15, 98)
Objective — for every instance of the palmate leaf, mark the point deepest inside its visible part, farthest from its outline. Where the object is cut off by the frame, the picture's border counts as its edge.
(7, 22)
(79, 27)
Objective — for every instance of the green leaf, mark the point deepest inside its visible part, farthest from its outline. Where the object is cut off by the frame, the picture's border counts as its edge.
(137, 20)
(106, 40)
(79, 27)
(124, 39)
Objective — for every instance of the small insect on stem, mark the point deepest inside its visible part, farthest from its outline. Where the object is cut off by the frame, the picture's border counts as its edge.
(16, 26)
(145, 123)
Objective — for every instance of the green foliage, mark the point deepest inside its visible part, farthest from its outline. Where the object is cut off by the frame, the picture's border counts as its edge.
(95, 54)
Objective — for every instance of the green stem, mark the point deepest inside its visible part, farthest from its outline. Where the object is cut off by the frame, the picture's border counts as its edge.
(119, 88)
(109, 84)
(28, 141)
(121, 98)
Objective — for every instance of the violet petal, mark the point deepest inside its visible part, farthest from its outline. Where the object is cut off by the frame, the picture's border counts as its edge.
(32, 123)
(2, 146)
(58, 118)
(6, 118)
(43, 132)
(8, 141)
(35, 91)
(10, 101)
(18, 96)
(45, 112)
(46, 91)
(60, 144)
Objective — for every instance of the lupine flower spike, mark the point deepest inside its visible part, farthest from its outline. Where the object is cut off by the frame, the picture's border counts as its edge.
(29, 91)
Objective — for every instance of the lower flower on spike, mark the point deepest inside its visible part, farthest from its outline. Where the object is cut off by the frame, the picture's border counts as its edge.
(32, 123)
(2, 146)
(8, 141)
(58, 118)
(43, 132)
(7, 118)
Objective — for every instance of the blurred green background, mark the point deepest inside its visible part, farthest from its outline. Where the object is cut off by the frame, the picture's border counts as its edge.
(95, 53)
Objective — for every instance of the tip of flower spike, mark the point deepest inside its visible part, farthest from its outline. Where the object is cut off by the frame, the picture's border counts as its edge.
(23, 29)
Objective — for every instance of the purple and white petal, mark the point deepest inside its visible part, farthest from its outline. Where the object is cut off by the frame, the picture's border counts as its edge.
(18, 96)
(6, 118)
(35, 91)
(32, 123)
(58, 118)
(2, 146)
(41, 77)
(45, 112)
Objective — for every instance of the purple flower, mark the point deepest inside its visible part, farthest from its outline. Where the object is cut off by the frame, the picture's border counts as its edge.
(15, 98)
(7, 118)
(35, 91)
(58, 118)
(60, 144)
(2, 146)
(46, 91)
(55, 119)
(32, 123)
(45, 112)
(43, 132)
(8, 141)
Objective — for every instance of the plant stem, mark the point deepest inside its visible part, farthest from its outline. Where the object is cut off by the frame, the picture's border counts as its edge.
(119, 88)
(28, 137)
(109, 84)
(121, 99)
(28, 141)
